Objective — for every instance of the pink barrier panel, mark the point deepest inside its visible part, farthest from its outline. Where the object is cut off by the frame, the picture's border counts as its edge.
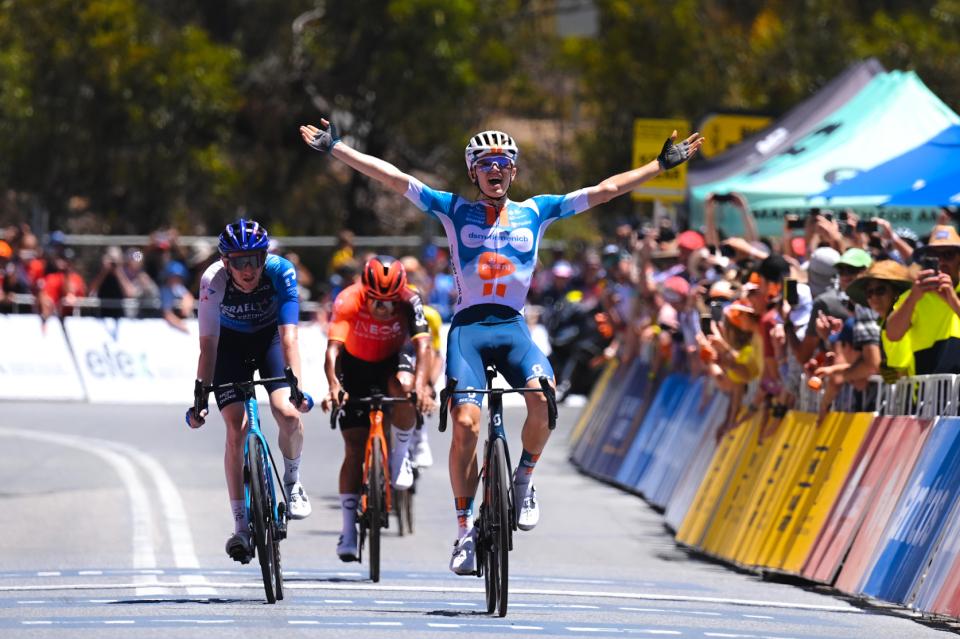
(848, 513)
(886, 492)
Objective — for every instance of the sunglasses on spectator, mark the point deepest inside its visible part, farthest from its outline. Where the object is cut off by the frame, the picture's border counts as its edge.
(240, 262)
(876, 290)
(844, 269)
(487, 164)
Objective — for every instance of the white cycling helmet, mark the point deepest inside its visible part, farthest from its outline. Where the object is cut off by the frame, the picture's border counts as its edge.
(490, 143)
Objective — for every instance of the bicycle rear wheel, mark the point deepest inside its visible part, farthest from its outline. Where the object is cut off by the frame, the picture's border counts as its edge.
(376, 507)
(261, 514)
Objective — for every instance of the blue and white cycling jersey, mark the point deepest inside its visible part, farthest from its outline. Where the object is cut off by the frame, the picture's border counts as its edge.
(274, 302)
(493, 253)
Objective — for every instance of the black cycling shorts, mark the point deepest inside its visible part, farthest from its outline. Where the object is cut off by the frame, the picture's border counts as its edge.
(240, 354)
(361, 378)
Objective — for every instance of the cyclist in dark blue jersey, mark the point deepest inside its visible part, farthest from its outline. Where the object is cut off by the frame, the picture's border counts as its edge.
(493, 250)
(248, 315)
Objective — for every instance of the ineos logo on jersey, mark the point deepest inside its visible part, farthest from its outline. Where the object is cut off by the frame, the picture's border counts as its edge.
(474, 236)
(374, 330)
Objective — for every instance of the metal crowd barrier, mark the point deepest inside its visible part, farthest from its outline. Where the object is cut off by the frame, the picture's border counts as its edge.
(132, 307)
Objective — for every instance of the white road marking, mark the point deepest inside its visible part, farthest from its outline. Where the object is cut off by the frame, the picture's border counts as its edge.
(178, 529)
(385, 623)
(49, 573)
(600, 594)
(584, 629)
(27, 602)
(434, 624)
(178, 526)
(144, 555)
(758, 617)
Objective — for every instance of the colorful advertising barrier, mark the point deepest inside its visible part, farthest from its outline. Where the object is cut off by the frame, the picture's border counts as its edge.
(919, 518)
(880, 448)
(697, 464)
(596, 398)
(913, 435)
(661, 415)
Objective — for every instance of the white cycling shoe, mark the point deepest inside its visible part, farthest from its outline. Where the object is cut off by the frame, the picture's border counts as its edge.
(464, 558)
(401, 473)
(298, 504)
(421, 454)
(528, 508)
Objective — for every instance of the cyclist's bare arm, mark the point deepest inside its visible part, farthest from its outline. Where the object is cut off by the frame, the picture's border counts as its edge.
(421, 374)
(625, 182)
(373, 167)
(208, 358)
(330, 368)
(290, 341)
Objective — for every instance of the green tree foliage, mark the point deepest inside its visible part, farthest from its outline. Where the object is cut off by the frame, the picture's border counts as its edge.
(103, 100)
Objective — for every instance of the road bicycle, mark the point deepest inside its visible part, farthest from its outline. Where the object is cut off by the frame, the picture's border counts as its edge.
(376, 496)
(497, 518)
(266, 506)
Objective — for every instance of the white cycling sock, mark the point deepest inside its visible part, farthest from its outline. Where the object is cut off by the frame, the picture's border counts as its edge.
(348, 509)
(240, 522)
(399, 443)
(291, 471)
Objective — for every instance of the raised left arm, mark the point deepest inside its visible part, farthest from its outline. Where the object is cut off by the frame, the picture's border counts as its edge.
(671, 155)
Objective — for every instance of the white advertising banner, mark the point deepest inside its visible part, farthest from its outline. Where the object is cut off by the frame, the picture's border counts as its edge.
(147, 361)
(35, 361)
(143, 361)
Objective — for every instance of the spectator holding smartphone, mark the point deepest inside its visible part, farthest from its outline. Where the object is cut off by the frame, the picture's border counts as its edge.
(928, 315)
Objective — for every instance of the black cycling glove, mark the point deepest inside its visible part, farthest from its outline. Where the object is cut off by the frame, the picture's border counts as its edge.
(326, 139)
(673, 154)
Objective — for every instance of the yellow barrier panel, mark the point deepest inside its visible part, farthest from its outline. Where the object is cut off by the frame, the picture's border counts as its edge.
(599, 389)
(802, 438)
(819, 487)
(722, 534)
(697, 521)
(758, 513)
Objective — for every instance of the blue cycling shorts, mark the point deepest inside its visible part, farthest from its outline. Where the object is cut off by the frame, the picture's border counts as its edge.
(492, 334)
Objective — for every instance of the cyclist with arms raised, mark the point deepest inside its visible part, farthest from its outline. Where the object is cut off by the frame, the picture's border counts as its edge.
(248, 314)
(493, 246)
(372, 322)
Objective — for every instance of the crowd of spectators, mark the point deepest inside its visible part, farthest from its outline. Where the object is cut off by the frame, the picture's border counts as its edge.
(834, 300)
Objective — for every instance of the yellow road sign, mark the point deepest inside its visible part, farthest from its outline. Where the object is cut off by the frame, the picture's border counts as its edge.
(723, 130)
(648, 138)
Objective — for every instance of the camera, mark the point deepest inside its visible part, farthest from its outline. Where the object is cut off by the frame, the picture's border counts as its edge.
(728, 251)
(845, 228)
(795, 222)
(867, 226)
(724, 197)
(706, 324)
(716, 312)
(790, 291)
(827, 215)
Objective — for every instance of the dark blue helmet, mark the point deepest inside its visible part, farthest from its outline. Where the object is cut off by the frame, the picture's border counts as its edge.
(243, 235)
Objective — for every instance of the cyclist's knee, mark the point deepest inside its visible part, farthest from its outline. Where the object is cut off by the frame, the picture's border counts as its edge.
(466, 422)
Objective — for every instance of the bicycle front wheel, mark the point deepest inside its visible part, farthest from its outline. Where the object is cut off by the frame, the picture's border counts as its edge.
(376, 506)
(261, 514)
(497, 558)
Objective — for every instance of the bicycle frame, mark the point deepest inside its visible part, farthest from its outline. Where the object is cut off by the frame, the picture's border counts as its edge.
(253, 430)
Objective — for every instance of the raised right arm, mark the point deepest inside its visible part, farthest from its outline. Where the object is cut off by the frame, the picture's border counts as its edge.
(325, 138)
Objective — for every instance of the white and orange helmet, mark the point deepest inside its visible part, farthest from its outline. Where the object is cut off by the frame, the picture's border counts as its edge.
(490, 143)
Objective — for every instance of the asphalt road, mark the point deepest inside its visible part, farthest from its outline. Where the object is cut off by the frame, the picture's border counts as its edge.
(113, 521)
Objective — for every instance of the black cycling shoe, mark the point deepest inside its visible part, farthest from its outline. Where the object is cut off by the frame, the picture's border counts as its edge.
(240, 547)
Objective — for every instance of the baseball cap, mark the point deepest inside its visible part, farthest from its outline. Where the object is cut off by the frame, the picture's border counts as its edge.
(691, 240)
(5, 250)
(821, 269)
(675, 289)
(855, 257)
